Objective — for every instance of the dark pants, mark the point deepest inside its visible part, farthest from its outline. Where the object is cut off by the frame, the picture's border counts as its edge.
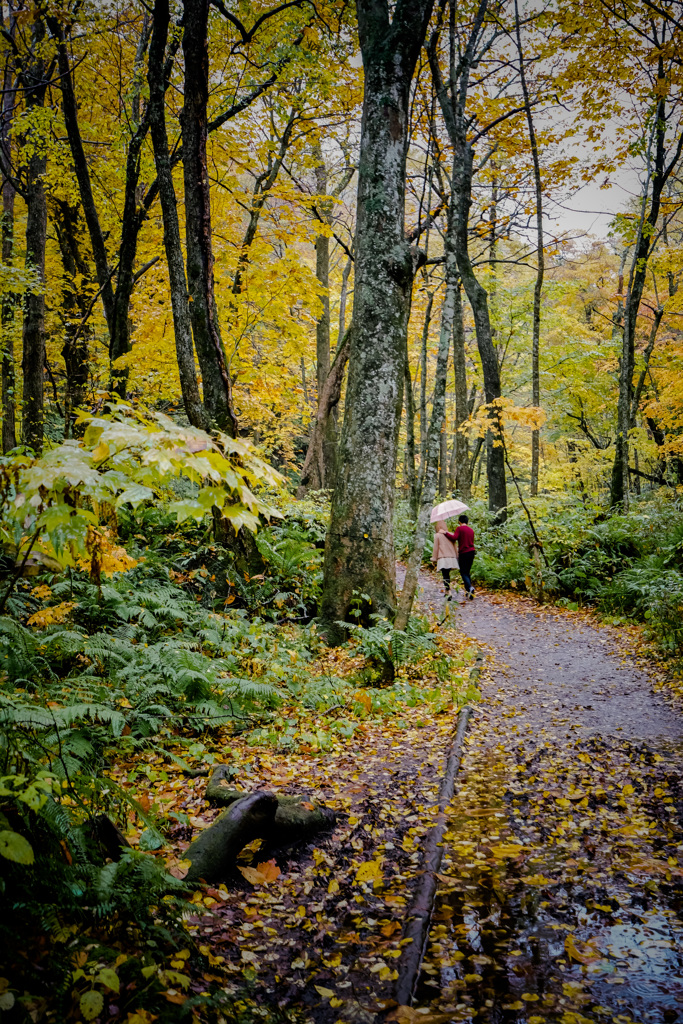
(446, 573)
(465, 562)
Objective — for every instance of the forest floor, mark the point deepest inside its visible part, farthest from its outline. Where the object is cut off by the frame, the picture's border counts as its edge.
(560, 895)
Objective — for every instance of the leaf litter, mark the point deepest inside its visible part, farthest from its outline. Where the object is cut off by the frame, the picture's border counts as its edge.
(560, 892)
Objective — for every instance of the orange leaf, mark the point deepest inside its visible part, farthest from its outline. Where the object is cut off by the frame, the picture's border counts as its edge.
(391, 928)
(269, 870)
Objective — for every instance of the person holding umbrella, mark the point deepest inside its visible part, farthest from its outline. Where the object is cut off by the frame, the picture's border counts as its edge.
(443, 552)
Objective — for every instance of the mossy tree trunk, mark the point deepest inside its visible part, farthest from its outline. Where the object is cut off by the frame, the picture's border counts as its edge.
(359, 553)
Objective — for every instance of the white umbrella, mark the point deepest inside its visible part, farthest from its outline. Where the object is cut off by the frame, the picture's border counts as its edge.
(446, 510)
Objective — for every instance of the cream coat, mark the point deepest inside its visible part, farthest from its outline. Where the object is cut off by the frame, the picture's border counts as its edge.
(443, 547)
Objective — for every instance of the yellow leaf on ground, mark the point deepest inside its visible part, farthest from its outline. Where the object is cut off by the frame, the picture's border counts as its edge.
(370, 871)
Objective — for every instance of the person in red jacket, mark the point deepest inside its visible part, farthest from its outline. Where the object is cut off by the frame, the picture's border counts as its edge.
(464, 536)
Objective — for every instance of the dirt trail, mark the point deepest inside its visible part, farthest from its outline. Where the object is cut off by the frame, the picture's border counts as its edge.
(568, 677)
(562, 894)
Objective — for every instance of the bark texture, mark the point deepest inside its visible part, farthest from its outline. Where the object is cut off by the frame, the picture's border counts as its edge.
(359, 552)
(216, 383)
(182, 321)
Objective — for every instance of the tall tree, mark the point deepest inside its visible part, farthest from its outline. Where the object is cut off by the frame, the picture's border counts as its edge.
(216, 381)
(9, 437)
(463, 473)
(359, 552)
(34, 76)
(452, 92)
(540, 260)
(115, 300)
(435, 457)
(662, 160)
(158, 70)
(74, 309)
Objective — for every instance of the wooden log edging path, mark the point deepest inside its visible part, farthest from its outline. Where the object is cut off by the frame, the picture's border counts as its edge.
(419, 917)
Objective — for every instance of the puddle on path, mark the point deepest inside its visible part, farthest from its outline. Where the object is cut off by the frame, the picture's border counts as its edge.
(561, 896)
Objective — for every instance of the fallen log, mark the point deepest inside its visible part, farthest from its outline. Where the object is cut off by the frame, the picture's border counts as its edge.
(296, 818)
(214, 851)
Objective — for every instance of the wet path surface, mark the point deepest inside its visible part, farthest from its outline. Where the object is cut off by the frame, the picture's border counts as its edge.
(561, 891)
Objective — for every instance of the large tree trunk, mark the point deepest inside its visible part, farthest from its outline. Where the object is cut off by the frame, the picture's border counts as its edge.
(359, 553)
(217, 386)
(9, 437)
(33, 80)
(182, 321)
(463, 472)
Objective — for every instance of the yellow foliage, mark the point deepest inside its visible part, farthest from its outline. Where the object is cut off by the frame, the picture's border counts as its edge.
(52, 616)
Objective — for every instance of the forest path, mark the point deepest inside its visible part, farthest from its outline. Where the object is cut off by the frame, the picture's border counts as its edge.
(571, 677)
(561, 896)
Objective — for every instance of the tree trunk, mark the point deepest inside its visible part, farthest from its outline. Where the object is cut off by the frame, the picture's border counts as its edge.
(82, 172)
(540, 264)
(359, 552)
(329, 399)
(639, 267)
(452, 96)
(182, 321)
(463, 474)
(33, 337)
(434, 435)
(320, 468)
(411, 469)
(116, 303)
(495, 463)
(9, 437)
(423, 396)
(343, 296)
(322, 272)
(443, 461)
(216, 382)
(74, 311)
